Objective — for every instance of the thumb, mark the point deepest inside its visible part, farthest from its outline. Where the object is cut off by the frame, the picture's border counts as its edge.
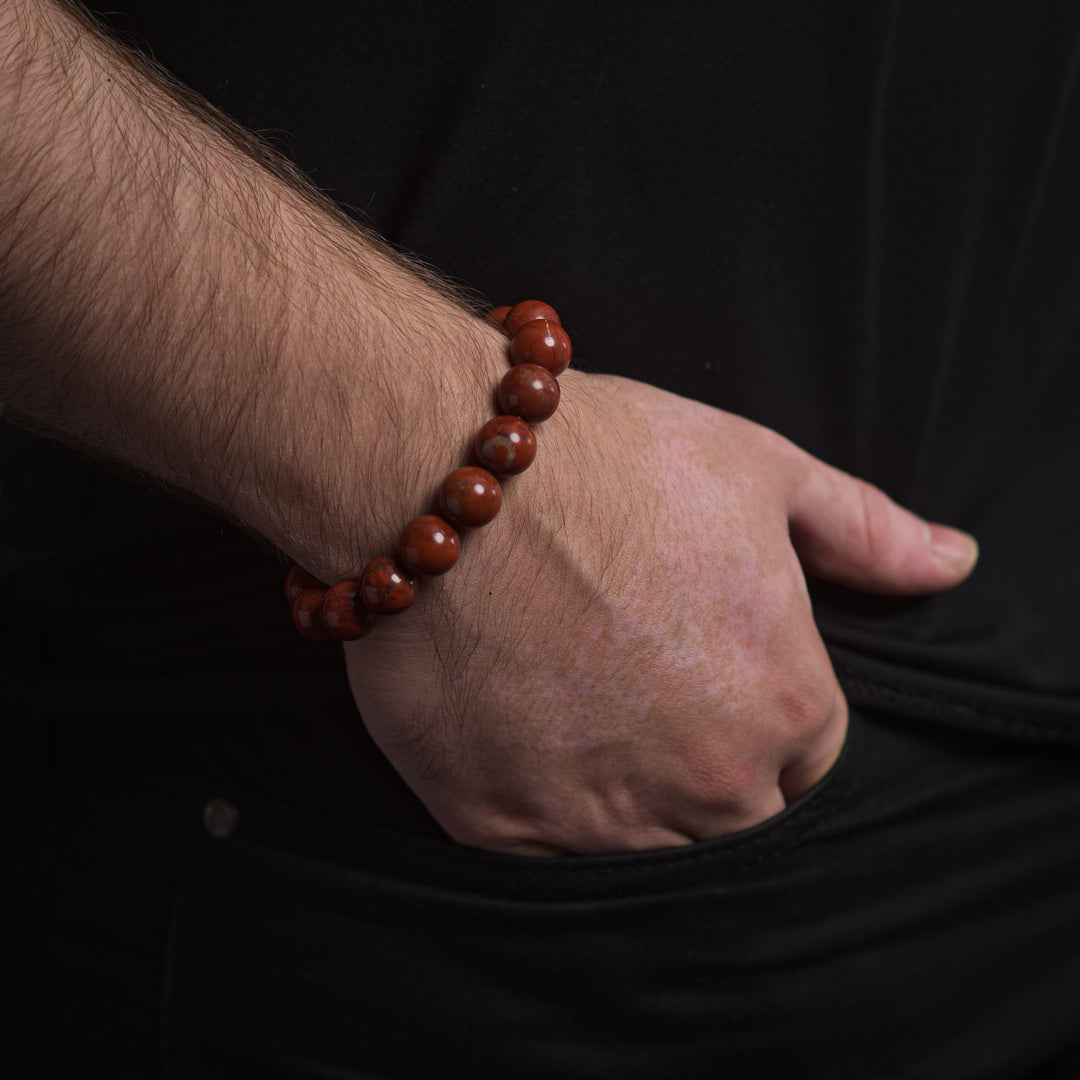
(848, 531)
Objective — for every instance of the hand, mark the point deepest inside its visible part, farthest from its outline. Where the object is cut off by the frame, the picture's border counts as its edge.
(626, 658)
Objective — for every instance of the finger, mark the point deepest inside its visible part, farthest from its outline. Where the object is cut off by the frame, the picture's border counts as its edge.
(848, 531)
(811, 765)
(530, 848)
(726, 821)
(644, 838)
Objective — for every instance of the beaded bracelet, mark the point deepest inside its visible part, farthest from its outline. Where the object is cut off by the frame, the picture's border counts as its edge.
(469, 497)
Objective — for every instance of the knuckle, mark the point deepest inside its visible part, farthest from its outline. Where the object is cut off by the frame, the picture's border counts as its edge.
(875, 520)
(806, 707)
(492, 829)
(729, 786)
(789, 460)
(485, 834)
(813, 710)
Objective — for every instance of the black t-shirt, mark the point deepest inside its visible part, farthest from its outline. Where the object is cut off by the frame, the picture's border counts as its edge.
(855, 223)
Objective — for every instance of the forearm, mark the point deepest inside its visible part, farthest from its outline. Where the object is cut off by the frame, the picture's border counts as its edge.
(170, 301)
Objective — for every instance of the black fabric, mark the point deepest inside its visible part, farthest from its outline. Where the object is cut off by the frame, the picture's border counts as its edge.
(913, 916)
(853, 222)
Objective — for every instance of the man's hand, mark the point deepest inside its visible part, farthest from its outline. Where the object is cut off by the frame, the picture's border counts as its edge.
(626, 658)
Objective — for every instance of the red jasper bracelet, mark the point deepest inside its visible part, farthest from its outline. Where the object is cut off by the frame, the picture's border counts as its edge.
(540, 351)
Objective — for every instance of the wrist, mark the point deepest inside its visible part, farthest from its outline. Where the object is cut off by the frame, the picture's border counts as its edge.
(555, 530)
(403, 383)
(469, 497)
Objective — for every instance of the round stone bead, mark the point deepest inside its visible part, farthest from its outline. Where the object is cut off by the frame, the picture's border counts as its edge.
(470, 497)
(497, 316)
(529, 391)
(298, 579)
(505, 446)
(542, 342)
(429, 545)
(386, 586)
(307, 614)
(526, 312)
(344, 615)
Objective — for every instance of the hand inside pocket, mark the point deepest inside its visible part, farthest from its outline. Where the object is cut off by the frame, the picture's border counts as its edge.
(626, 658)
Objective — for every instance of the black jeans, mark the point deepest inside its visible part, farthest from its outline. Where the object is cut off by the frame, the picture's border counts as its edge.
(916, 915)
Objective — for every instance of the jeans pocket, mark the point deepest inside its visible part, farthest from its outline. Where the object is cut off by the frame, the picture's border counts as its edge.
(299, 937)
(268, 831)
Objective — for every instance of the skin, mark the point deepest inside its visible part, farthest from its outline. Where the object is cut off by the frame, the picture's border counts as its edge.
(624, 659)
(607, 680)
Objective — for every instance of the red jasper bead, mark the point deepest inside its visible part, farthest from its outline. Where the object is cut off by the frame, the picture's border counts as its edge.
(542, 342)
(298, 579)
(529, 391)
(429, 545)
(306, 614)
(343, 615)
(497, 316)
(470, 497)
(386, 586)
(526, 312)
(505, 446)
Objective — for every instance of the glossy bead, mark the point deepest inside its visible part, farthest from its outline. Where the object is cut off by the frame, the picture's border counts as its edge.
(526, 312)
(306, 614)
(429, 545)
(529, 391)
(497, 316)
(505, 446)
(343, 615)
(298, 579)
(543, 342)
(386, 586)
(470, 497)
